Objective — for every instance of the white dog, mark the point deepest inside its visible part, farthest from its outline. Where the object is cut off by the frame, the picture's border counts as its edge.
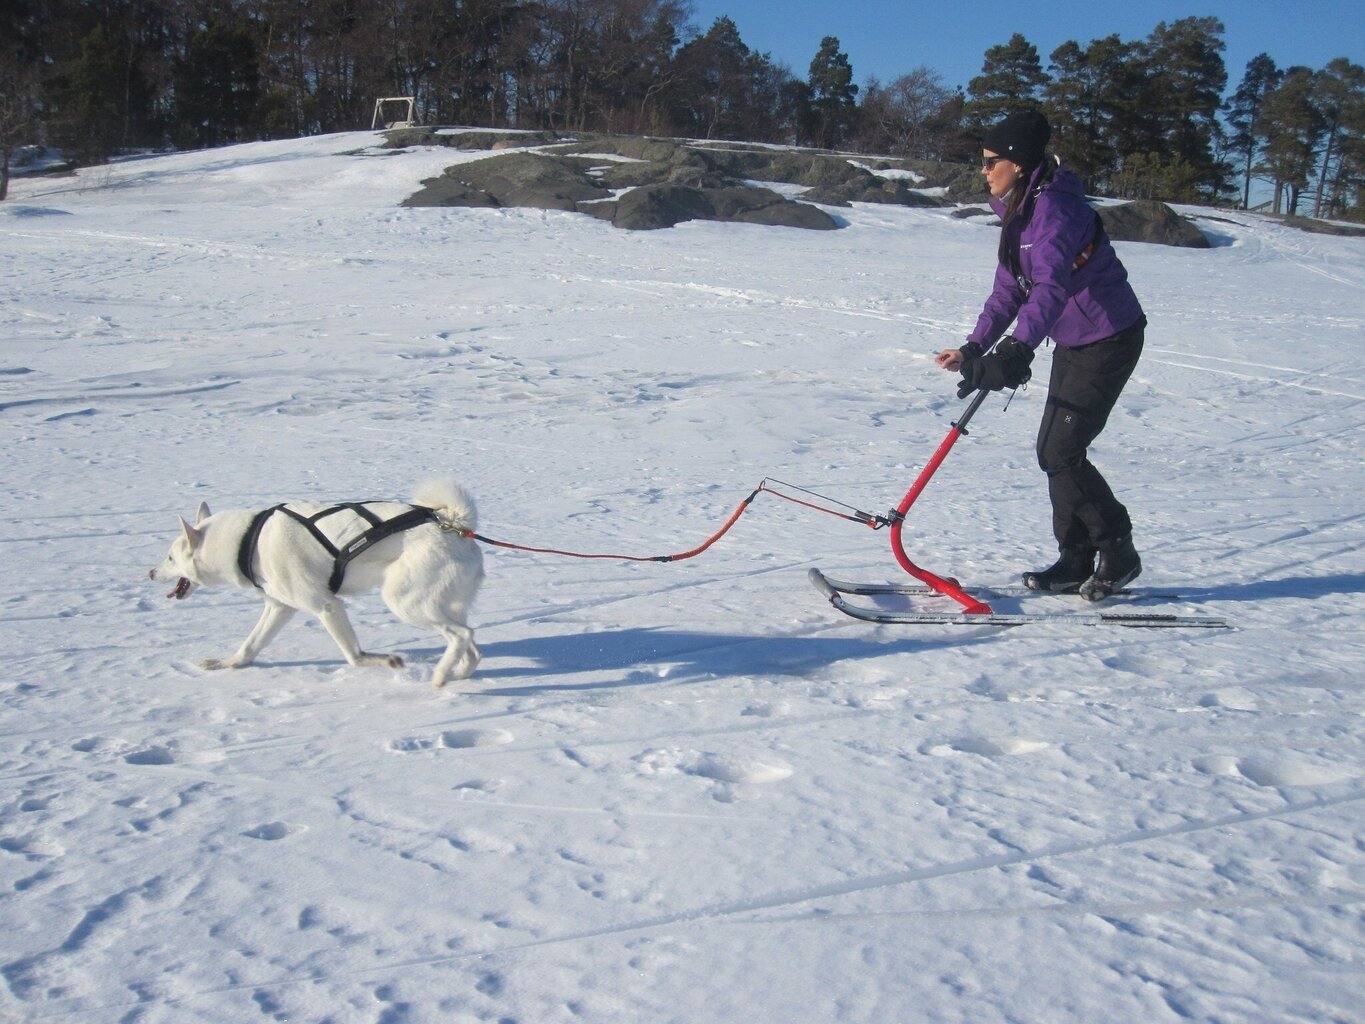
(306, 557)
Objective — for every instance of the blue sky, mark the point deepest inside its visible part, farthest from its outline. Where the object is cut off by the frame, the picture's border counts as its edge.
(887, 38)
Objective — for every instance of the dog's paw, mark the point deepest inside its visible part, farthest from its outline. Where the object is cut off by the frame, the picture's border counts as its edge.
(463, 670)
(236, 661)
(368, 660)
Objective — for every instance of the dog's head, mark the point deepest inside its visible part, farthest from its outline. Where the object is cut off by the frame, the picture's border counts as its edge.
(180, 563)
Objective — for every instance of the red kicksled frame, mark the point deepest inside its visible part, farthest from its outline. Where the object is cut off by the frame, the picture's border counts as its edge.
(948, 587)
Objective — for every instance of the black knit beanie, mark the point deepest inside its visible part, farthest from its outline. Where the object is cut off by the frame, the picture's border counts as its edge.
(1021, 138)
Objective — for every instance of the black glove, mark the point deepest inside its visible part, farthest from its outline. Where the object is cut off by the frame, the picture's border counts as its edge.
(1005, 366)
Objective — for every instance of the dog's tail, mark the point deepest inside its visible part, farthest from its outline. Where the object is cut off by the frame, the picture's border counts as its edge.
(451, 502)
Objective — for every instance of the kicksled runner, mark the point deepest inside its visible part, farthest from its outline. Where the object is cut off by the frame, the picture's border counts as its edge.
(975, 612)
(837, 590)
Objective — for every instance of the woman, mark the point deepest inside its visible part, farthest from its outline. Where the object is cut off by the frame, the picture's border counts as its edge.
(1058, 277)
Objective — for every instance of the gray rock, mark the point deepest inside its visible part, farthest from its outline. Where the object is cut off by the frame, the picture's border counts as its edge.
(445, 191)
(871, 190)
(1146, 220)
(516, 179)
(764, 206)
(661, 206)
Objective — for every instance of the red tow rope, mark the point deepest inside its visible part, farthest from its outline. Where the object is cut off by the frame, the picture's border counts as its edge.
(766, 486)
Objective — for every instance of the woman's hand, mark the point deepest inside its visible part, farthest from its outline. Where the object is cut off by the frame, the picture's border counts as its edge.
(949, 359)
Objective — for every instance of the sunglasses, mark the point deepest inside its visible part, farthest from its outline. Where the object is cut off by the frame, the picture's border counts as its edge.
(989, 163)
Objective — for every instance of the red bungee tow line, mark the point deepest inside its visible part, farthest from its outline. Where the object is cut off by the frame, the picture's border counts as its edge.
(767, 485)
(896, 519)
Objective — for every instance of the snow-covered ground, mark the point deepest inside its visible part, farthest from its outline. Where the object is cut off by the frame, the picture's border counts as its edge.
(687, 792)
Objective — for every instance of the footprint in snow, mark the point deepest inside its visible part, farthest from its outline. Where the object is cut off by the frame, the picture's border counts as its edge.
(452, 739)
(1273, 773)
(730, 768)
(721, 768)
(150, 755)
(464, 739)
(479, 786)
(273, 831)
(411, 744)
(155, 755)
(32, 847)
(1233, 699)
(984, 746)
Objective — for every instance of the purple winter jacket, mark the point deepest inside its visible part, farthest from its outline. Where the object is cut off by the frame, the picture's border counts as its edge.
(1072, 306)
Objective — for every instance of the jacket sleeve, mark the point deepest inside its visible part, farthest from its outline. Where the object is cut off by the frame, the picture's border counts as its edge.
(1060, 229)
(1001, 308)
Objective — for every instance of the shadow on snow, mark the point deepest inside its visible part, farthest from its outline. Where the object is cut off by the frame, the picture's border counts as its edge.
(656, 655)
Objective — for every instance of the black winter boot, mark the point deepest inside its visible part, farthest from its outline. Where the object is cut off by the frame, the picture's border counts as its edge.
(1065, 576)
(1119, 565)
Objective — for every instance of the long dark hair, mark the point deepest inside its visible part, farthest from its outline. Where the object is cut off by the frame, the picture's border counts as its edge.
(1020, 197)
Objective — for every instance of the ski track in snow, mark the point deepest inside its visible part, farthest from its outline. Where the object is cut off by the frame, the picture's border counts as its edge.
(671, 792)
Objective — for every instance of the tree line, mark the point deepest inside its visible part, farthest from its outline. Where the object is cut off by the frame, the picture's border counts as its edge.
(1136, 119)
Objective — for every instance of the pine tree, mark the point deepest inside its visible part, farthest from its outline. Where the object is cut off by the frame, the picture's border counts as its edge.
(1188, 78)
(833, 110)
(217, 88)
(1243, 111)
(1339, 94)
(1011, 78)
(1085, 100)
(726, 90)
(1292, 127)
(92, 105)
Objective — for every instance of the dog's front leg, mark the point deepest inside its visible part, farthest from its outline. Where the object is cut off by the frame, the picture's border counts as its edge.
(268, 626)
(333, 616)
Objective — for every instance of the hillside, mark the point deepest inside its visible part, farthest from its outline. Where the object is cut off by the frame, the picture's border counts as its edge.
(685, 792)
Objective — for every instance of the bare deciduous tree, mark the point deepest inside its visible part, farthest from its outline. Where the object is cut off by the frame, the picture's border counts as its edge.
(18, 109)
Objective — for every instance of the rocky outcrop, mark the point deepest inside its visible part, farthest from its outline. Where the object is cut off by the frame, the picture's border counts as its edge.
(403, 138)
(1325, 227)
(642, 183)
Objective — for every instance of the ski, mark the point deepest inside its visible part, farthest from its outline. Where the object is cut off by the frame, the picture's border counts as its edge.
(834, 591)
(1004, 590)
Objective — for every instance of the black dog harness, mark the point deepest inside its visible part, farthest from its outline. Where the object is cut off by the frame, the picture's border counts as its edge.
(380, 529)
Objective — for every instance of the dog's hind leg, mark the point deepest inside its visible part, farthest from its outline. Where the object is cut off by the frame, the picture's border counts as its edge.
(268, 626)
(333, 616)
(461, 657)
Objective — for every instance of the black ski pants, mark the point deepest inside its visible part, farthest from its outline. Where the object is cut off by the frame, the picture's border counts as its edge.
(1085, 383)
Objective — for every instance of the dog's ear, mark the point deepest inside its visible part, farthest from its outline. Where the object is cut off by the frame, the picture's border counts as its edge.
(203, 513)
(193, 535)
